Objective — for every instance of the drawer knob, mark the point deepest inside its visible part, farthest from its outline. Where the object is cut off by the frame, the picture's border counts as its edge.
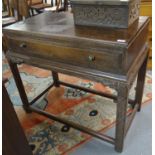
(23, 45)
(91, 58)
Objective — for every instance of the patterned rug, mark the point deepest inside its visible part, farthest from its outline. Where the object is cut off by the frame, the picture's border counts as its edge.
(49, 137)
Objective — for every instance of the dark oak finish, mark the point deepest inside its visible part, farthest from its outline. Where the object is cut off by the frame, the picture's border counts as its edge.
(14, 141)
(55, 78)
(112, 57)
(140, 83)
(103, 49)
(122, 101)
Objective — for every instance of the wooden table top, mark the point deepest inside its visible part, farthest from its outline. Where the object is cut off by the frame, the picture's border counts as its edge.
(52, 41)
(61, 25)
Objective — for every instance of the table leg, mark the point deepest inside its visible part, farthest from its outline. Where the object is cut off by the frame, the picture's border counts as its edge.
(20, 86)
(66, 5)
(140, 83)
(122, 102)
(55, 79)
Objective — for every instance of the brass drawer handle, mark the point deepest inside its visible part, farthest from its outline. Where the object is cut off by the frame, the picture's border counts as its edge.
(91, 58)
(23, 45)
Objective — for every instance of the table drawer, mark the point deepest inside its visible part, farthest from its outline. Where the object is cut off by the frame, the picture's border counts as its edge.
(102, 61)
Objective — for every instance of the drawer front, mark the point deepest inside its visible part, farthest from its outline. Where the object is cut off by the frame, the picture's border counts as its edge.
(89, 59)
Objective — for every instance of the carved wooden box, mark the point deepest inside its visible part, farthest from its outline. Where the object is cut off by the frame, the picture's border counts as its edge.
(105, 13)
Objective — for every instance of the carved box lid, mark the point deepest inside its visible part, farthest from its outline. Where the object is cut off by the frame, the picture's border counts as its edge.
(102, 2)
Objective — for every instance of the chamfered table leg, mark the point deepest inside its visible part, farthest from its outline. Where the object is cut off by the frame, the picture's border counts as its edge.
(19, 84)
(141, 82)
(121, 110)
(55, 79)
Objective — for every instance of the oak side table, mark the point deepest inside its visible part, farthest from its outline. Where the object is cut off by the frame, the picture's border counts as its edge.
(114, 57)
